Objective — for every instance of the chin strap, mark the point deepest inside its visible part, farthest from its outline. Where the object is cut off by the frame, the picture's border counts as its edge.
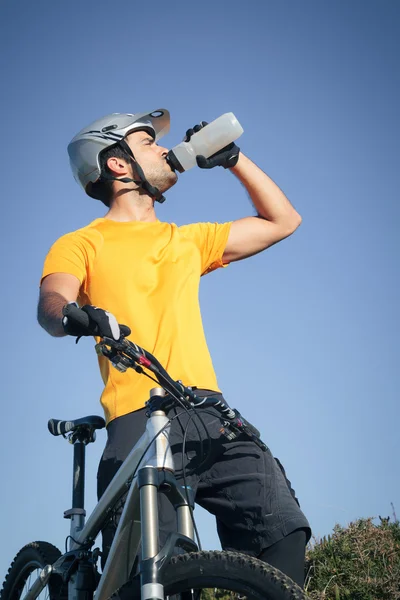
(142, 182)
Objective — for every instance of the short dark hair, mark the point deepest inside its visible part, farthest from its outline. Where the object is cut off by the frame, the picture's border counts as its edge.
(102, 188)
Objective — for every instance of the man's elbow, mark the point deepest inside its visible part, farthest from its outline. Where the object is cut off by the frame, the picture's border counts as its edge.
(298, 221)
(292, 222)
(52, 328)
(51, 323)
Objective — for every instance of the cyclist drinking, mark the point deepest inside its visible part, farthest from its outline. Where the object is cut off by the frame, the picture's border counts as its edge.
(129, 267)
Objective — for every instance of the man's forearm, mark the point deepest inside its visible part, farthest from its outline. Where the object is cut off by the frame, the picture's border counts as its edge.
(268, 199)
(50, 313)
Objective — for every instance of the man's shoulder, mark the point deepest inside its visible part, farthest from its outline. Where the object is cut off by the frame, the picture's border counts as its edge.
(90, 233)
(188, 227)
(200, 228)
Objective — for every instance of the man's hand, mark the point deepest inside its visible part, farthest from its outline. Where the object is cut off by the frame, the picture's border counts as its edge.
(226, 157)
(90, 320)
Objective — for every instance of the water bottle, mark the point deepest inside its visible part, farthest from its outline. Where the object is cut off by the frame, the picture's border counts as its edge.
(211, 138)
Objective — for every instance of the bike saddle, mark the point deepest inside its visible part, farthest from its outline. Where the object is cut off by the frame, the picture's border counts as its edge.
(57, 427)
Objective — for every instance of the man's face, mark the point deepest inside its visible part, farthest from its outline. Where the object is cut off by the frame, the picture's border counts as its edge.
(152, 158)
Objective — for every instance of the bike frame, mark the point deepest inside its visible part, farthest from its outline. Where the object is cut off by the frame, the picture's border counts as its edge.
(139, 519)
(138, 522)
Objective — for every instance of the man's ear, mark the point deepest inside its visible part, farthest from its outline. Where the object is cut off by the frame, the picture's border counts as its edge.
(117, 166)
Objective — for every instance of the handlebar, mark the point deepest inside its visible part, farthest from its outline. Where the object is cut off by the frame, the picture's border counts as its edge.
(124, 354)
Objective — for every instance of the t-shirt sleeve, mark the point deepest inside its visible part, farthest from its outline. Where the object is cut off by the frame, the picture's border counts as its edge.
(211, 239)
(67, 255)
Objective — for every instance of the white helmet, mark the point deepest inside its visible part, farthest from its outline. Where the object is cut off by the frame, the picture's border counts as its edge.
(85, 148)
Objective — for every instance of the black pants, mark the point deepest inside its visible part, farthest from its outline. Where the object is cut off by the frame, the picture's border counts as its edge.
(245, 488)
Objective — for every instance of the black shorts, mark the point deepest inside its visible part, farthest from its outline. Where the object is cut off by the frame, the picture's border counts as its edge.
(245, 488)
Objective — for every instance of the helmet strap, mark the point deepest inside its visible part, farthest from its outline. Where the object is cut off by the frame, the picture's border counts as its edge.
(146, 185)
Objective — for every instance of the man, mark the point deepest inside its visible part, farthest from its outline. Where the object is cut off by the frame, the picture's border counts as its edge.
(128, 267)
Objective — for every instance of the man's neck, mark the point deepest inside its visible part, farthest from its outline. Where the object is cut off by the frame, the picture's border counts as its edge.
(132, 209)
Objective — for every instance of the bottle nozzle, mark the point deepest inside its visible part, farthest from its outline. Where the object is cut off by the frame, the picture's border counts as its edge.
(174, 162)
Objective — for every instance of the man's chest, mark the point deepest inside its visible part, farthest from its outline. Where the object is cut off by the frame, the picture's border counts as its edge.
(144, 264)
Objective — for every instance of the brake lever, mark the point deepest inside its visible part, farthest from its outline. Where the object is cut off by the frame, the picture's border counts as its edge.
(240, 425)
(120, 345)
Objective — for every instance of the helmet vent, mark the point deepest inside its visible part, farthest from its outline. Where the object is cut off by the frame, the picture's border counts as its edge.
(109, 128)
(156, 114)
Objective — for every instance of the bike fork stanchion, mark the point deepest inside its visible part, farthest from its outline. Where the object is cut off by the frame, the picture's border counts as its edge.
(148, 480)
(184, 515)
(149, 518)
(39, 584)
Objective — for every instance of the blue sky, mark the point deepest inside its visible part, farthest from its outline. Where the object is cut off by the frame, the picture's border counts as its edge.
(304, 337)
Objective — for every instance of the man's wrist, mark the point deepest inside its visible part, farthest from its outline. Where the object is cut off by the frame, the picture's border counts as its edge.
(232, 160)
(235, 168)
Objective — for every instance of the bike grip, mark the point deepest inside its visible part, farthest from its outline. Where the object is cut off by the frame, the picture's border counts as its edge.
(76, 314)
(81, 318)
(125, 330)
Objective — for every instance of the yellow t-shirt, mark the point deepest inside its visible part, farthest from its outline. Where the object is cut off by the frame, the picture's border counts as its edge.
(147, 275)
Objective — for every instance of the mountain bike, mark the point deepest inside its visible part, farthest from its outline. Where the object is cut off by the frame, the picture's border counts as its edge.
(136, 567)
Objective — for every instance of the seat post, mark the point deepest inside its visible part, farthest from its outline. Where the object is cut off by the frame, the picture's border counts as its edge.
(77, 513)
(78, 481)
